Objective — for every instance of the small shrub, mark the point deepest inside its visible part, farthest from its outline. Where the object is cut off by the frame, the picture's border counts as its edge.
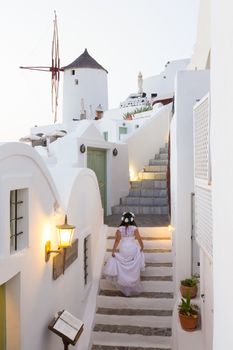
(190, 282)
(188, 309)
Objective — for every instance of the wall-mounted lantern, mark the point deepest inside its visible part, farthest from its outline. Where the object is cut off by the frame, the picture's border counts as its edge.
(82, 148)
(115, 152)
(65, 235)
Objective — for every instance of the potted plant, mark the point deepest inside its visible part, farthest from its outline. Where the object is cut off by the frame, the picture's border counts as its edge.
(188, 314)
(188, 286)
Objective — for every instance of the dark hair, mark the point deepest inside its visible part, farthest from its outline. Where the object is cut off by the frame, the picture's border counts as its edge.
(127, 219)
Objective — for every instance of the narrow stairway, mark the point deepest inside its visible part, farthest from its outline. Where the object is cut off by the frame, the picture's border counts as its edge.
(148, 195)
(143, 321)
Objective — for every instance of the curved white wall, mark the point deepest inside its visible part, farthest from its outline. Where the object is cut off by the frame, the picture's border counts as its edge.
(92, 87)
(39, 296)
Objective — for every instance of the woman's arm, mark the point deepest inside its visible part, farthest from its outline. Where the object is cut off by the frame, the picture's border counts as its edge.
(138, 237)
(117, 240)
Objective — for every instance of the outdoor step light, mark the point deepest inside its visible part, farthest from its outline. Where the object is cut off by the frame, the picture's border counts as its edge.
(65, 235)
(171, 228)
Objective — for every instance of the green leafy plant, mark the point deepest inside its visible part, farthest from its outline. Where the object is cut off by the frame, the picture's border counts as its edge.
(142, 109)
(190, 282)
(188, 309)
(128, 115)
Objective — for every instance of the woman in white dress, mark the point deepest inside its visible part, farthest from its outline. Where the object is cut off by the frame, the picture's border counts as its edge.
(123, 268)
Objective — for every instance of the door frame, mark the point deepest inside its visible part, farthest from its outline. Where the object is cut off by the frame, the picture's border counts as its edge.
(106, 151)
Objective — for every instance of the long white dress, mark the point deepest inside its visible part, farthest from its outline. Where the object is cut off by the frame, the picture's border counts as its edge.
(123, 270)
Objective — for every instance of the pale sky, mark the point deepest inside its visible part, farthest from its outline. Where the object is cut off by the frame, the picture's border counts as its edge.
(124, 36)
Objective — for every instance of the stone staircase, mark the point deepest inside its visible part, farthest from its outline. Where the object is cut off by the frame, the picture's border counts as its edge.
(143, 321)
(148, 195)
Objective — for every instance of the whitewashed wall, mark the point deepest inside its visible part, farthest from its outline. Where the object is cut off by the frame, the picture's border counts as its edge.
(190, 86)
(67, 152)
(92, 87)
(163, 84)
(200, 58)
(144, 143)
(33, 297)
(222, 170)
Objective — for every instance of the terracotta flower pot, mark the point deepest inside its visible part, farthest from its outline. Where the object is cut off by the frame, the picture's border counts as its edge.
(191, 291)
(188, 323)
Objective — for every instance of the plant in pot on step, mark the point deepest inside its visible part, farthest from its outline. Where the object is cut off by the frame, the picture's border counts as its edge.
(188, 314)
(188, 286)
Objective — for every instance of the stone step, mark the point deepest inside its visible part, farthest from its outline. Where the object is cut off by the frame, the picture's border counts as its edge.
(140, 210)
(152, 257)
(152, 184)
(158, 264)
(157, 278)
(157, 271)
(150, 277)
(130, 329)
(147, 232)
(158, 162)
(107, 347)
(148, 302)
(111, 335)
(161, 156)
(149, 250)
(148, 243)
(140, 320)
(154, 295)
(148, 193)
(147, 201)
(163, 150)
(156, 168)
(148, 286)
(144, 175)
(133, 312)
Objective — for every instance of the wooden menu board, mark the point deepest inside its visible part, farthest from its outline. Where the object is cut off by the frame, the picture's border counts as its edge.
(68, 327)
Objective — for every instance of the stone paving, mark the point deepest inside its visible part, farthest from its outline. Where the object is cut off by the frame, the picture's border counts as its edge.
(162, 331)
(156, 278)
(117, 293)
(129, 312)
(141, 220)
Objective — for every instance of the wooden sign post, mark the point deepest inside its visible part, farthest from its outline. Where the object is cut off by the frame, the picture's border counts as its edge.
(68, 327)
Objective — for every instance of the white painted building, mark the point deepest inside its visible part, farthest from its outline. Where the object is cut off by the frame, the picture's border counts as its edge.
(58, 182)
(209, 175)
(29, 296)
(162, 85)
(85, 88)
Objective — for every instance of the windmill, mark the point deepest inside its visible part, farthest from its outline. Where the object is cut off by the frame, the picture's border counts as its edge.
(54, 68)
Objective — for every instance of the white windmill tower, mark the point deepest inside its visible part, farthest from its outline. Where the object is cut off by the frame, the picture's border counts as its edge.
(84, 80)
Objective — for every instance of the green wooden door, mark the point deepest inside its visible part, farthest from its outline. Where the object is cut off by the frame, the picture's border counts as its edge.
(122, 131)
(96, 160)
(2, 317)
